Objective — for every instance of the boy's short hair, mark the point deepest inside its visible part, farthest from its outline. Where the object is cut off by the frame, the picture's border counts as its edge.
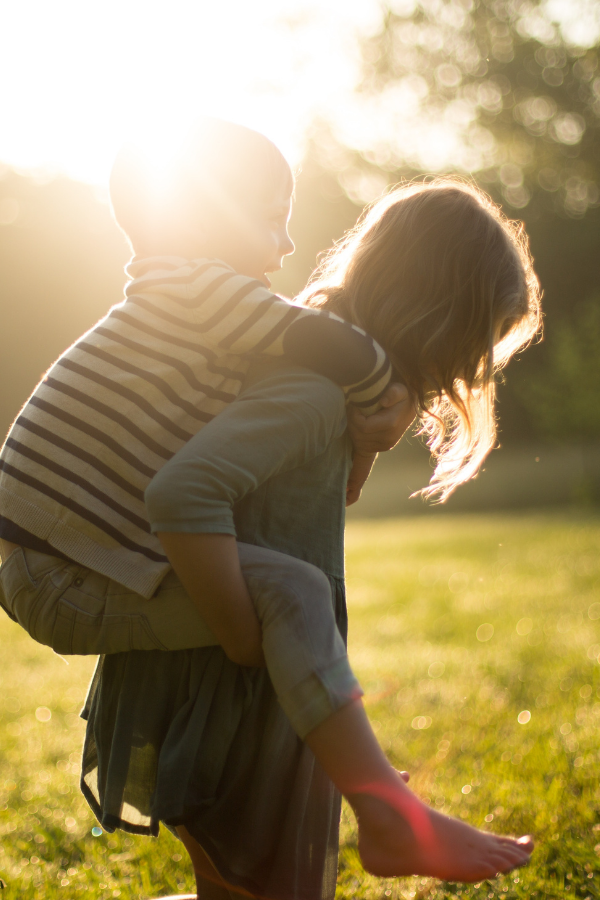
(221, 170)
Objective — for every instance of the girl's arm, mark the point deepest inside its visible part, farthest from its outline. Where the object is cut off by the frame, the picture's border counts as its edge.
(206, 302)
(372, 434)
(277, 424)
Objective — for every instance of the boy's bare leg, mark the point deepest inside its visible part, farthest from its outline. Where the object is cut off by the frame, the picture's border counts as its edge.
(209, 884)
(398, 834)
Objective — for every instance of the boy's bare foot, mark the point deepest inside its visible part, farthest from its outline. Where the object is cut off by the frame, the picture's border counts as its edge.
(400, 835)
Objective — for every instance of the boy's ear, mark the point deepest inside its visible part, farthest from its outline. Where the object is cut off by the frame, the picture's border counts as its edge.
(154, 222)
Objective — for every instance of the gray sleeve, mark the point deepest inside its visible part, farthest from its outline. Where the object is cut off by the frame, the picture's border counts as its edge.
(277, 424)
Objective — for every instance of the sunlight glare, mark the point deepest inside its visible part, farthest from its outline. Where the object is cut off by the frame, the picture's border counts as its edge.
(579, 20)
(86, 78)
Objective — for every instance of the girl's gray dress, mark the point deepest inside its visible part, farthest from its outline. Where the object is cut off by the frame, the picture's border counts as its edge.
(187, 737)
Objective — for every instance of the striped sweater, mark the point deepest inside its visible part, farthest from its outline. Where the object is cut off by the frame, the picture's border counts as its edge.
(134, 389)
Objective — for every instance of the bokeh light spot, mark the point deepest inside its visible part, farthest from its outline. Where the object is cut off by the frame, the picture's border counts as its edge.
(524, 626)
(436, 669)
(458, 582)
(485, 632)
(43, 714)
(524, 717)
(420, 722)
(593, 652)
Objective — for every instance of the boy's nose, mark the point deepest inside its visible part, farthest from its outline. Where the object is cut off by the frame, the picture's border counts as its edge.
(287, 246)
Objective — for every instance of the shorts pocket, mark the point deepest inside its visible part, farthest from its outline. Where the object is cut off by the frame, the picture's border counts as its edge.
(21, 595)
(14, 577)
(80, 632)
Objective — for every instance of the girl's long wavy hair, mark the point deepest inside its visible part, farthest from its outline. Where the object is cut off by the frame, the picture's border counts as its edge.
(445, 283)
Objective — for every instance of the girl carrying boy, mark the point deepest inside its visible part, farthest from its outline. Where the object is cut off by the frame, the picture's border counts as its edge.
(446, 328)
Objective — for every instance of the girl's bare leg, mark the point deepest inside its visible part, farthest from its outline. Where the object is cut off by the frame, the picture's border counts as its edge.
(209, 884)
(398, 834)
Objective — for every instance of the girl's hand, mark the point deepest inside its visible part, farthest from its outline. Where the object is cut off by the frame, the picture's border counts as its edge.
(371, 434)
(361, 468)
(382, 430)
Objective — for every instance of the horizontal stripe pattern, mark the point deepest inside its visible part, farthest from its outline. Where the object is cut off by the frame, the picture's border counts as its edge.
(85, 429)
(128, 395)
(81, 454)
(86, 515)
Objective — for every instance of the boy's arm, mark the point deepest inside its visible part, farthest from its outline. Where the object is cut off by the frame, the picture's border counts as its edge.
(230, 313)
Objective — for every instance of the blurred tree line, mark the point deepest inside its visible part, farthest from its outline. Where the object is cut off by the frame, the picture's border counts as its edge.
(61, 265)
(517, 100)
(523, 104)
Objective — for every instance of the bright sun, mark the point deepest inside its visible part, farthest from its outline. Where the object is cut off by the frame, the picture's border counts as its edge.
(82, 78)
(85, 77)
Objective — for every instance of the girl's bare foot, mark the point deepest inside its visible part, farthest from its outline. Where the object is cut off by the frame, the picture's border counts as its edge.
(400, 835)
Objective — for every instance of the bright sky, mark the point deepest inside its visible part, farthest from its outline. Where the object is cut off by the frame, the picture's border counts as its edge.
(80, 77)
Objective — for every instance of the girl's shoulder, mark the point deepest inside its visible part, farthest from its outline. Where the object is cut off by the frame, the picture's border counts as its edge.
(282, 382)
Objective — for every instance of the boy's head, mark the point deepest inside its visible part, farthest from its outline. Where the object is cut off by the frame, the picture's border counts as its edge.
(226, 195)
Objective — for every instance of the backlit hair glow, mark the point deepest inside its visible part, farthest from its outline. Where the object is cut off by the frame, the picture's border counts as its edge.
(445, 283)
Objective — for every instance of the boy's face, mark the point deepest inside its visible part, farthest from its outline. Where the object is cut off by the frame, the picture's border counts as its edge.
(257, 243)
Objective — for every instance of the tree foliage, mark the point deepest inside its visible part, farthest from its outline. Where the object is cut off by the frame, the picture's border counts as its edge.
(489, 87)
(498, 90)
(563, 396)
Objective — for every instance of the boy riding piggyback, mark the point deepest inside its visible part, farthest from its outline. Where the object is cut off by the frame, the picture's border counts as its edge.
(86, 574)
(105, 457)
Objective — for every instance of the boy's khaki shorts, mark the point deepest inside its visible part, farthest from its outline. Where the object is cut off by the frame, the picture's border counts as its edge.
(77, 611)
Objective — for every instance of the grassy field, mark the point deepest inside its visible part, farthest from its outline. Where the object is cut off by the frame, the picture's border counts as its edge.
(477, 641)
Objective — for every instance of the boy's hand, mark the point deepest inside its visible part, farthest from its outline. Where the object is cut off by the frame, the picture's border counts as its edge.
(371, 434)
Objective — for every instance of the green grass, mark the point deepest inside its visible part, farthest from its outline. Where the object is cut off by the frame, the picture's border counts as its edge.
(445, 704)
